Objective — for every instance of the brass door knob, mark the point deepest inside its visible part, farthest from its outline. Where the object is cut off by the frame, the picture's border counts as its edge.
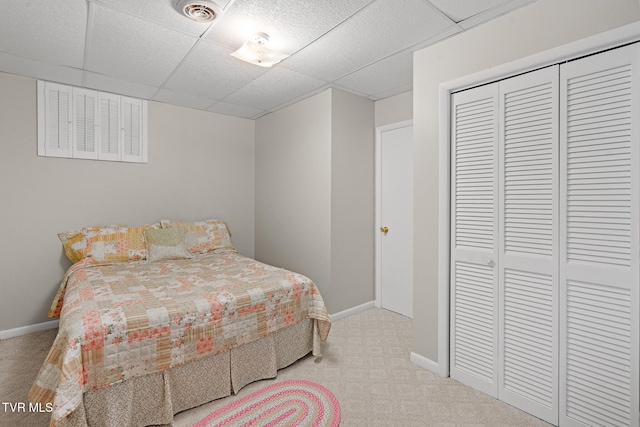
(385, 230)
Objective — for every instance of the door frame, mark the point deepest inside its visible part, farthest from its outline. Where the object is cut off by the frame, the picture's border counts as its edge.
(626, 34)
(378, 197)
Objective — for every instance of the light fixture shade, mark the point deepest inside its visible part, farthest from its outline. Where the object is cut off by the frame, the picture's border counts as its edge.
(255, 52)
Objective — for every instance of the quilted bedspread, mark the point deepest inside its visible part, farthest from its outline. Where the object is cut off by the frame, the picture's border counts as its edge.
(122, 320)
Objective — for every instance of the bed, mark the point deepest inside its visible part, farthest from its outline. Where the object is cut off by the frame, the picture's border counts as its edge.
(161, 318)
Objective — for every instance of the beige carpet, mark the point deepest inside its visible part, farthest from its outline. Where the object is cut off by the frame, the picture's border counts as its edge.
(365, 364)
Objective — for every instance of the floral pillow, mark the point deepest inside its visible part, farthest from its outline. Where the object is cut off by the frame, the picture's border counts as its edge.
(203, 236)
(117, 243)
(167, 243)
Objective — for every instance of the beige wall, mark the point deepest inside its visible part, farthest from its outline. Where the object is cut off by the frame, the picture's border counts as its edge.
(352, 201)
(293, 188)
(395, 109)
(205, 163)
(201, 165)
(535, 28)
(314, 194)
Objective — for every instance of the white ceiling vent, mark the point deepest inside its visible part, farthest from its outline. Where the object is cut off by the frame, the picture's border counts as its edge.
(199, 10)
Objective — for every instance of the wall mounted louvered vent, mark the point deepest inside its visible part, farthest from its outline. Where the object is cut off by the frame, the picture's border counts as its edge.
(81, 123)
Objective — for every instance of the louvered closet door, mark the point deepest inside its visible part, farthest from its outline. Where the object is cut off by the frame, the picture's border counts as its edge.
(599, 239)
(474, 238)
(528, 263)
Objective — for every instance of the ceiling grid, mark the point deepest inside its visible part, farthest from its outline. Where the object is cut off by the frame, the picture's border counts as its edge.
(147, 49)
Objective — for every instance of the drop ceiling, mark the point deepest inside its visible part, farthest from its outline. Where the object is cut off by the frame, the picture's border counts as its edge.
(146, 49)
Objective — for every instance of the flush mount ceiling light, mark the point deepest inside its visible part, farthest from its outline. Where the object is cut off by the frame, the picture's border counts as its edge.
(199, 10)
(255, 52)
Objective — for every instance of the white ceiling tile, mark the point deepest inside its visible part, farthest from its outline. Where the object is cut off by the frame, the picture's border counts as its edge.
(490, 14)
(459, 10)
(273, 88)
(211, 72)
(177, 98)
(235, 110)
(131, 49)
(301, 97)
(291, 24)
(32, 29)
(379, 30)
(40, 70)
(394, 71)
(121, 87)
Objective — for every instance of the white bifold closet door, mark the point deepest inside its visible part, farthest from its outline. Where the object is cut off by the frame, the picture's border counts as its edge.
(504, 334)
(474, 238)
(599, 245)
(545, 240)
(528, 244)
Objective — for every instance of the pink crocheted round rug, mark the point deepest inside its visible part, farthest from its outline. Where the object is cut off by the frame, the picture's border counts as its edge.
(286, 403)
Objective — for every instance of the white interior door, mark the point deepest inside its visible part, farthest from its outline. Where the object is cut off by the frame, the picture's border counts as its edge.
(396, 219)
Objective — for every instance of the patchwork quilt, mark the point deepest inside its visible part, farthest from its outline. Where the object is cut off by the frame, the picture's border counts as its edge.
(126, 319)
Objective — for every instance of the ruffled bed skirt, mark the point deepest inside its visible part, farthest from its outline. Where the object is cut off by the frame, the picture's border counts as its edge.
(153, 399)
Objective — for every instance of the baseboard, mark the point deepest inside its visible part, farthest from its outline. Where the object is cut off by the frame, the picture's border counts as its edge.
(24, 330)
(351, 311)
(425, 363)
